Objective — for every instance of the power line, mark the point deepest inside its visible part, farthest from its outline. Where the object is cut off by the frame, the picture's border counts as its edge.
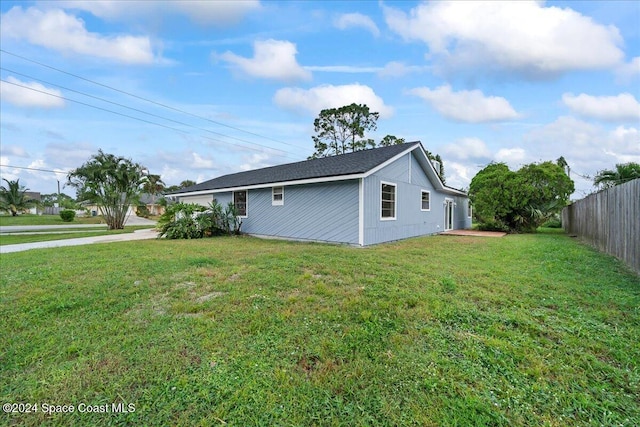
(146, 99)
(33, 169)
(141, 111)
(143, 120)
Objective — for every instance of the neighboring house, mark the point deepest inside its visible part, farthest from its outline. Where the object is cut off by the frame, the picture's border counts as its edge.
(361, 198)
(37, 198)
(151, 203)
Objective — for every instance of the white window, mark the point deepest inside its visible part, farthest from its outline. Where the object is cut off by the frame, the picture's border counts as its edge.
(388, 201)
(277, 196)
(240, 202)
(425, 200)
(469, 209)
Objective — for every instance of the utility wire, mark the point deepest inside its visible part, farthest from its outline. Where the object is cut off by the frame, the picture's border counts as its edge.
(142, 120)
(140, 111)
(33, 169)
(146, 99)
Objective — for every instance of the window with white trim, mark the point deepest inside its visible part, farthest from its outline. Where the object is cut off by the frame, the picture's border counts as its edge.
(277, 196)
(240, 202)
(425, 200)
(388, 201)
(469, 209)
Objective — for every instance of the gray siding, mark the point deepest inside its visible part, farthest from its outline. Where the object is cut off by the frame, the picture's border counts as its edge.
(324, 212)
(330, 211)
(407, 174)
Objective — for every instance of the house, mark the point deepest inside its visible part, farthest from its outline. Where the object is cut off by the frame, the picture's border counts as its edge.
(150, 202)
(36, 197)
(360, 198)
(146, 200)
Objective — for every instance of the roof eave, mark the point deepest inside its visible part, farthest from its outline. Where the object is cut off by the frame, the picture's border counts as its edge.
(271, 184)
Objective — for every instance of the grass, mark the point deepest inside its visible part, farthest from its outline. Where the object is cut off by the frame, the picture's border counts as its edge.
(62, 234)
(525, 330)
(29, 219)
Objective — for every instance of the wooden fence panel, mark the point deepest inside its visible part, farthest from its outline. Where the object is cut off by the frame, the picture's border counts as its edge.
(610, 221)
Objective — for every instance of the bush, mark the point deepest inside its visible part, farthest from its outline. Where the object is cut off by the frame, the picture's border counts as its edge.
(143, 211)
(553, 223)
(67, 215)
(192, 221)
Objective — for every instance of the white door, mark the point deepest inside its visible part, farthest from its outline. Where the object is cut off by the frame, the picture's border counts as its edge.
(448, 214)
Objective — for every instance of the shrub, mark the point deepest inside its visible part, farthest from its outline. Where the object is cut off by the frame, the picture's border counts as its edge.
(67, 215)
(192, 221)
(143, 211)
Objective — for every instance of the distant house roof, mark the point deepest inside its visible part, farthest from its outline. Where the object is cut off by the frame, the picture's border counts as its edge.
(343, 165)
(33, 195)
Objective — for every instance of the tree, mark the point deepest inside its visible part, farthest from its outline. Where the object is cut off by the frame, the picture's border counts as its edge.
(519, 201)
(65, 200)
(13, 197)
(153, 186)
(341, 130)
(390, 140)
(624, 172)
(184, 184)
(113, 183)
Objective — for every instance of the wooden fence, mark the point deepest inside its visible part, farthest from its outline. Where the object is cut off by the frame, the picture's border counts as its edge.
(610, 221)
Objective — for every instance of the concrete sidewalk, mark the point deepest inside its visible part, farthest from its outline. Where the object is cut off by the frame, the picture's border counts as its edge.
(132, 220)
(136, 235)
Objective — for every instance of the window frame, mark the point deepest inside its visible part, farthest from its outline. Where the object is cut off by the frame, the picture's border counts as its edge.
(246, 202)
(382, 201)
(422, 192)
(275, 202)
(469, 209)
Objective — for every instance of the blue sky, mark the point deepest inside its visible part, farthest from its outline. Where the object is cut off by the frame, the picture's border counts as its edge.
(196, 89)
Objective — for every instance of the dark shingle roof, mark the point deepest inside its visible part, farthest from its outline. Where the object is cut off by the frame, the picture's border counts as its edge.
(344, 164)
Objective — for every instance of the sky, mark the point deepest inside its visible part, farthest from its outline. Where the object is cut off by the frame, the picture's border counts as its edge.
(198, 89)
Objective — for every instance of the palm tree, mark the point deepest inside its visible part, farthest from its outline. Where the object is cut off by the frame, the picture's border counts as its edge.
(624, 172)
(112, 182)
(153, 186)
(13, 198)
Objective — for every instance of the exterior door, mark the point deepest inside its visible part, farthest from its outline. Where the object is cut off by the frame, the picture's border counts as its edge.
(448, 214)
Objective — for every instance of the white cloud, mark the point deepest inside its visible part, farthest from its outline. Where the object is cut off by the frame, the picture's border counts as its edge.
(629, 71)
(356, 20)
(272, 59)
(511, 156)
(466, 106)
(199, 162)
(586, 146)
(57, 30)
(351, 69)
(467, 148)
(219, 12)
(399, 69)
(611, 108)
(521, 36)
(29, 94)
(256, 161)
(328, 96)
(14, 150)
(624, 144)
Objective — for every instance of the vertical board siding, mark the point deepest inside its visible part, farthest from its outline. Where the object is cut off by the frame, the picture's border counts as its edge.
(610, 221)
(325, 212)
(203, 199)
(410, 220)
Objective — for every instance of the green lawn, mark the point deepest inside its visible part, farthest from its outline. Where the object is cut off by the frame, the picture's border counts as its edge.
(28, 219)
(525, 330)
(62, 233)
